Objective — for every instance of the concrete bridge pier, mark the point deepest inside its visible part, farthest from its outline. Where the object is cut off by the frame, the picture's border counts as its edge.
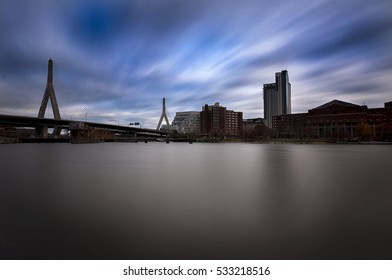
(42, 132)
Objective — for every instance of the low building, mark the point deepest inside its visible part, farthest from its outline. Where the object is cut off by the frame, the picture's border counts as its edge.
(256, 129)
(336, 119)
(187, 122)
(250, 124)
(217, 121)
(8, 131)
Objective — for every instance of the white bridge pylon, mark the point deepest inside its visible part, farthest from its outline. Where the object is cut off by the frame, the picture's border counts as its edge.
(163, 115)
(50, 95)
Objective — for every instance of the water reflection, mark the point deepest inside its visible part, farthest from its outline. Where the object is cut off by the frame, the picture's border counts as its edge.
(201, 201)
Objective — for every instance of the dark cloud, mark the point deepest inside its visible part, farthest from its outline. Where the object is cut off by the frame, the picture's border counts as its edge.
(362, 38)
(97, 24)
(15, 63)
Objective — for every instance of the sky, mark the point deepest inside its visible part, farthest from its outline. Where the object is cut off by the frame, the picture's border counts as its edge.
(115, 60)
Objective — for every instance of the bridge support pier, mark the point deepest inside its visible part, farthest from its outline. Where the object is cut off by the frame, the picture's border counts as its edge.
(42, 132)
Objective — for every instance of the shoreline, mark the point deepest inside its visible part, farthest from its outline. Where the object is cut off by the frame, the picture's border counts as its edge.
(222, 141)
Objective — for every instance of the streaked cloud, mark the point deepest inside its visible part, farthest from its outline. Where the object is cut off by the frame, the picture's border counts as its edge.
(115, 60)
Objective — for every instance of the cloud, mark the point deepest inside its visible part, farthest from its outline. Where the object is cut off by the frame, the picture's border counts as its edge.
(119, 58)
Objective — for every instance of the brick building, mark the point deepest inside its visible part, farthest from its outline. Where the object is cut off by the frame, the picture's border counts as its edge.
(216, 120)
(336, 119)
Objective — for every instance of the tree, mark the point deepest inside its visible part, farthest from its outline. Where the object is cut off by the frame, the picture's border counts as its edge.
(364, 131)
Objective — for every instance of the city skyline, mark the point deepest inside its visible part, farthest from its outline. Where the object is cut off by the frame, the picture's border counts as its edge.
(115, 61)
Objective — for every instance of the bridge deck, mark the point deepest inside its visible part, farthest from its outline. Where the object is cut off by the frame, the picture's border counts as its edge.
(23, 121)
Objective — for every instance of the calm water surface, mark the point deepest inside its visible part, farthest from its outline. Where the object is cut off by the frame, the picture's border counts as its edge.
(200, 201)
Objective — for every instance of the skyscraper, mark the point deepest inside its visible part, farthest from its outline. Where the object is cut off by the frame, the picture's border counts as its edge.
(277, 97)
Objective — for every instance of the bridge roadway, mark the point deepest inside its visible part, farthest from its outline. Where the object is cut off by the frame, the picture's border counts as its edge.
(23, 121)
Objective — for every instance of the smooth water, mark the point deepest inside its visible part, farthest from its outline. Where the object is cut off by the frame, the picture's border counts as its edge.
(200, 201)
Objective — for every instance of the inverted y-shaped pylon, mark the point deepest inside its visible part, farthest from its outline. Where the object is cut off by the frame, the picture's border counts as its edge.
(49, 94)
(163, 115)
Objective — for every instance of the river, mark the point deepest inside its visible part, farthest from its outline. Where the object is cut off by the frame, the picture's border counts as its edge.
(199, 201)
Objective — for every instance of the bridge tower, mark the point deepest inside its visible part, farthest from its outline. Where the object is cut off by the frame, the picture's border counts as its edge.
(163, 115)
(49, 94)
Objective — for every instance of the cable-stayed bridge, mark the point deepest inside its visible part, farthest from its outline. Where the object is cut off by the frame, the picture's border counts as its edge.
(72, 128)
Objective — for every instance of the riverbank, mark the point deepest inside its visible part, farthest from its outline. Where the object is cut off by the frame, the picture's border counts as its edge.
(196, 140)
(266, 141)
(292, 141)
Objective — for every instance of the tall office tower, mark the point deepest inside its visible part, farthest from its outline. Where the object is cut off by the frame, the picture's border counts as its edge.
(277, 97)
